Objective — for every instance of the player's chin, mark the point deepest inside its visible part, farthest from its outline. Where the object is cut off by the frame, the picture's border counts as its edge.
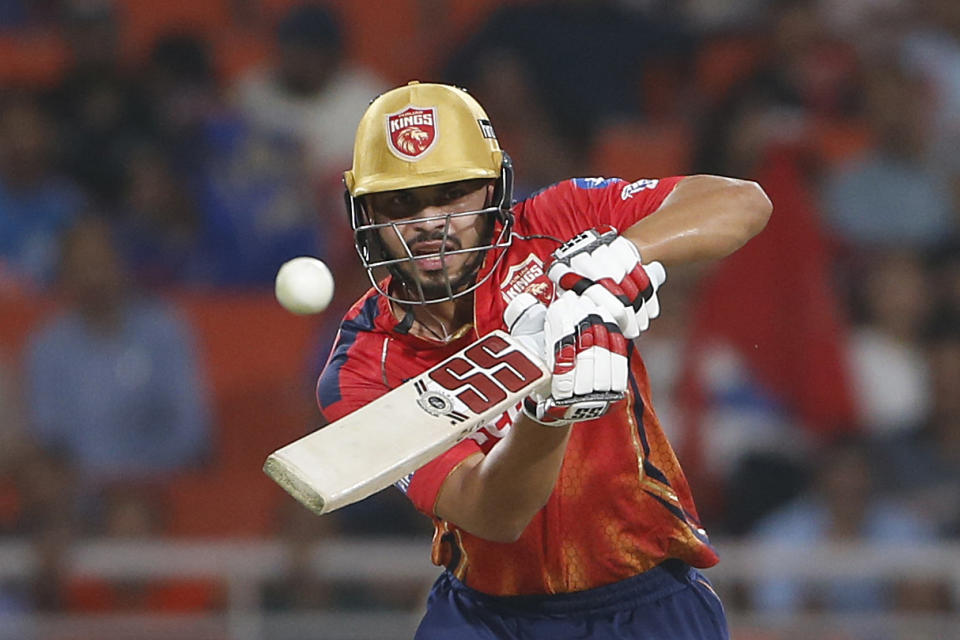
(435, 283)
(437, 280)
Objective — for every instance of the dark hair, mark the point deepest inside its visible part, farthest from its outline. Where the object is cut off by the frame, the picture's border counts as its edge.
(183, 55)
(944, 325)
(311, 25)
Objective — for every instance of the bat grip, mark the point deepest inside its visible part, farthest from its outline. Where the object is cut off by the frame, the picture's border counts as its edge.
(598, 396)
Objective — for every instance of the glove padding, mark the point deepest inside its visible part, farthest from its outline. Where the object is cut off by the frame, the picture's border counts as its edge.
(584, 349)
(608, 270)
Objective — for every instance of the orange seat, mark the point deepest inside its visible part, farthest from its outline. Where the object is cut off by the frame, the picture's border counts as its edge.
(89, 595)
(237, 50)
(218, 504)
(19, 316)
(11, 504)
(31, 58)
(256, 358)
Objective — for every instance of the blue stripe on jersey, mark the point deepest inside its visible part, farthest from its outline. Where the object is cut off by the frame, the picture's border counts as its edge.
(638, 403)
(682, 515)
(649, 469)
(328, 387)
(594, 183)
(652, 472)
(675, 510)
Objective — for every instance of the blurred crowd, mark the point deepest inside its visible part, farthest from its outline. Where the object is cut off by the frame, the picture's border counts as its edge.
(810, 383)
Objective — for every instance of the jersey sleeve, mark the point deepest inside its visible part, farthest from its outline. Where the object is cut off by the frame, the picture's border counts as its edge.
(349, 381)
(569, 207)
(423, 486)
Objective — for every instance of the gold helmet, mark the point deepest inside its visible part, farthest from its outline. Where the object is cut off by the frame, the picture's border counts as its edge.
(418, 135)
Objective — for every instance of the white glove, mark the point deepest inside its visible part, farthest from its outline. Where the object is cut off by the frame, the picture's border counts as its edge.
(524, 317)
(583, 348)
(608, 270)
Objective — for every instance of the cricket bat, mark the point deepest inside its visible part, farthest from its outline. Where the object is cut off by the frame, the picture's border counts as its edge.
(396, 434)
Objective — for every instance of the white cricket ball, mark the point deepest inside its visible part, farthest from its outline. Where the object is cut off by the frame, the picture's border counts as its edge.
(304, 285)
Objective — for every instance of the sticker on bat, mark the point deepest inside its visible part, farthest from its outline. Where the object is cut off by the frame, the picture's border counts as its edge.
(489, 370)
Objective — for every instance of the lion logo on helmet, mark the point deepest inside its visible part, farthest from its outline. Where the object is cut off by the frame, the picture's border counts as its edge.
(413, 140)
(411, 133)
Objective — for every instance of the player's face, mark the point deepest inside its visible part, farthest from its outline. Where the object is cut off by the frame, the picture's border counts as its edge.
(420, 219)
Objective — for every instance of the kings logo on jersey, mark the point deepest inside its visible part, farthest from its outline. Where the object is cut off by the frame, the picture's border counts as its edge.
(411, 133)
(527, 276)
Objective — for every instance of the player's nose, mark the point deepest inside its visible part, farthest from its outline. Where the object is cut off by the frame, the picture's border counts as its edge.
(431, 216)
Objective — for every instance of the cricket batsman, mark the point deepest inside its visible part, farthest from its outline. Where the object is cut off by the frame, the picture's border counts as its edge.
(568, 516)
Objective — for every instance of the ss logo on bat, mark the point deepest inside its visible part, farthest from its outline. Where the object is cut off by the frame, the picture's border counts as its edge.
(485, 373)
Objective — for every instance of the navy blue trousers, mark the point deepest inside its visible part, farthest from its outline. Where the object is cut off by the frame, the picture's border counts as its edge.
(670, 602)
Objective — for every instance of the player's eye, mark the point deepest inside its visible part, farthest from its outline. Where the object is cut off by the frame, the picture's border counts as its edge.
(400, 199)
(395, 205)
(455, 193)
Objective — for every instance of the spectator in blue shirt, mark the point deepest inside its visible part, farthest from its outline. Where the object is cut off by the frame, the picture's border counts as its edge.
(113, 381)
(900, 193)
(36, 203)
(843, 506)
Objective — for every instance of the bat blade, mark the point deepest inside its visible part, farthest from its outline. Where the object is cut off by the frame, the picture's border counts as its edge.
(389, 438)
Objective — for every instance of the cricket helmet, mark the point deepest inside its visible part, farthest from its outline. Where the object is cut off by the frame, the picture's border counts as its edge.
(418, 135)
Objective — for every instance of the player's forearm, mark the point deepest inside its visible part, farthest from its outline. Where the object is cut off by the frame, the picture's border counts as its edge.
(704, 218)
(496, 496)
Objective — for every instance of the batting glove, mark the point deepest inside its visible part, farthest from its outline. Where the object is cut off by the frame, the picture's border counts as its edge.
(582, 347)
(607, 269)
(524, 317)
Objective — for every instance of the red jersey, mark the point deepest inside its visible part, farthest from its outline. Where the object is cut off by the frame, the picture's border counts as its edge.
(621, 504)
